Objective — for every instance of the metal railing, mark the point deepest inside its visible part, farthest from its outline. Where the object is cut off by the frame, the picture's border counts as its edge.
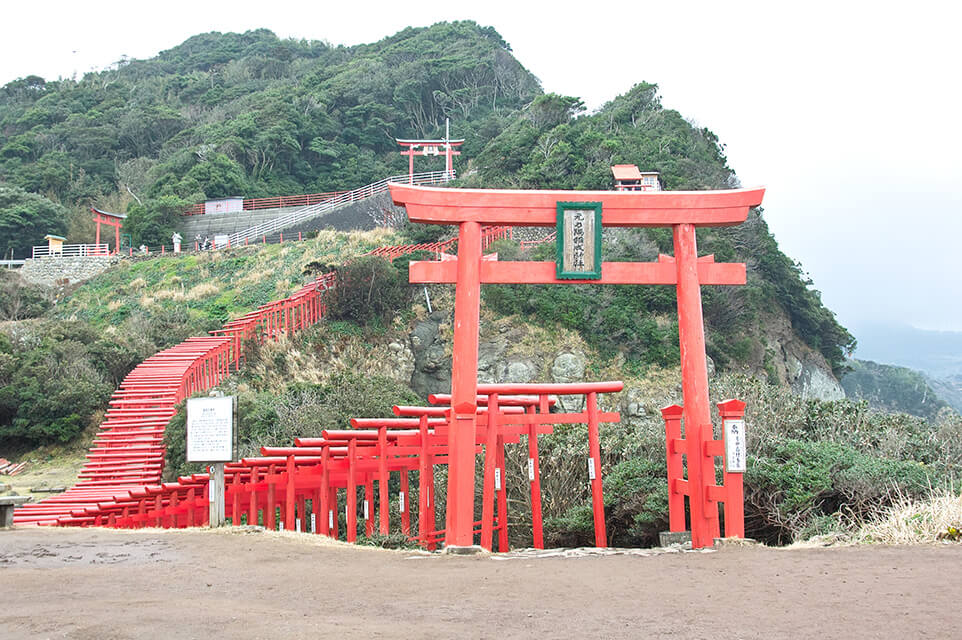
(347, 197)
(274, 202)
(71, 251)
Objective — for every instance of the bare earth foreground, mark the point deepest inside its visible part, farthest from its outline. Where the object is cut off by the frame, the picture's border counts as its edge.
(89, 583)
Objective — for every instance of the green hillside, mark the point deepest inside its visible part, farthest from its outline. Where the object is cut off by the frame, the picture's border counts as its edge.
(892, 388)
(251, 114)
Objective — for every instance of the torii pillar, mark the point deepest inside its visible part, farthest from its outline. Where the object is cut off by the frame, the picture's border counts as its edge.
(684, 211)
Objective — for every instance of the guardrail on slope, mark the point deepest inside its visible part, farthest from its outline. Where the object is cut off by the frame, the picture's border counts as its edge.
(344, 198)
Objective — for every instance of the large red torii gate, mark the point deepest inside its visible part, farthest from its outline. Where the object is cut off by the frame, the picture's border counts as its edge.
(681, 210)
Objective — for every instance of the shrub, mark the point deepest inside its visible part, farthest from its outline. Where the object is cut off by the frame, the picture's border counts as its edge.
(369, 291)
(636, 509)
(20, 299)
(788, 492)
(52, 392)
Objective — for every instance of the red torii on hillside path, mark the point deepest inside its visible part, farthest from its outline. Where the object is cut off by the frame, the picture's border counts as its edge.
(114, 220)
(681, 210)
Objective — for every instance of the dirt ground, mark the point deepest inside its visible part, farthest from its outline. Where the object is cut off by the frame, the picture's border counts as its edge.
(99, 584)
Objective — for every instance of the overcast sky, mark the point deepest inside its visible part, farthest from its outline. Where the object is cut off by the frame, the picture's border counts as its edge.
(848, 112)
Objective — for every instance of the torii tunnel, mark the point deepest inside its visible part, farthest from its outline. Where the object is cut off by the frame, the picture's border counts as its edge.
(683, 211)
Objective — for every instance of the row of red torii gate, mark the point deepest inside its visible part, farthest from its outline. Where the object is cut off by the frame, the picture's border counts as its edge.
(478, 419)
(481, 419)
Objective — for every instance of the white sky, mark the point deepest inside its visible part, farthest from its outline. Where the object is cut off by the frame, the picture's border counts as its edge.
(846, 111)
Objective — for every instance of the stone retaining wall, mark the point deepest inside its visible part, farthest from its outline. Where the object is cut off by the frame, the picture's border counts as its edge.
(54, 270)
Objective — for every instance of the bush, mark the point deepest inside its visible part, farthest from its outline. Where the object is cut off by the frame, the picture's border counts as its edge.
(789, 493)
(369, 291)
(19, 299)
(53, 385)
(636, 509)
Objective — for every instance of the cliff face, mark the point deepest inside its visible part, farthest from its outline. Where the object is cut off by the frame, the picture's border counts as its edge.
(511, 350)
(788, 360)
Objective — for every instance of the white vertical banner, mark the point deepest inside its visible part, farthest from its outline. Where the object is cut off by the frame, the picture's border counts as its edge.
(736, 449)
(531, 469)
(313, 523)
(400, 501)
(591, 468)
(366, 514)
(497, 479)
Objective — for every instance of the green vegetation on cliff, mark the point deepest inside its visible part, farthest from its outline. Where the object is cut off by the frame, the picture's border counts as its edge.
(63, 356)
(892, 388)
(251, 114)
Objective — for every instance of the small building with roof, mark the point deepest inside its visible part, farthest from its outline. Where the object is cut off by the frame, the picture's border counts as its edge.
(629, 178)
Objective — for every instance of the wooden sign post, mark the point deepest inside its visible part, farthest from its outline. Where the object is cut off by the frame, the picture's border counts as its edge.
(210, 438)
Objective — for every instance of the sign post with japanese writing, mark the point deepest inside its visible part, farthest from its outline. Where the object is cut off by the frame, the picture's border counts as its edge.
(736, 450)
(210, 429)
(732, 414)
(210, 438)
(579, 241)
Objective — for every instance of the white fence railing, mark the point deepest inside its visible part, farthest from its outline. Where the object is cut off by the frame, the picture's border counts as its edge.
(282, 222)
(71, 251)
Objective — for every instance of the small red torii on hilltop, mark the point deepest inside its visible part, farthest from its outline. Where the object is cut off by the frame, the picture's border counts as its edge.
(579, 217)
(431, 148)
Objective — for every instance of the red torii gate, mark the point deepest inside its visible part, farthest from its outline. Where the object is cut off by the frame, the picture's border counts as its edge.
(114, 220)
(431, 148)
(681, 210)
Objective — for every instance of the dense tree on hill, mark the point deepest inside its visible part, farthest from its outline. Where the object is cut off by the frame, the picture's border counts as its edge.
(25, 218)
(250, 114)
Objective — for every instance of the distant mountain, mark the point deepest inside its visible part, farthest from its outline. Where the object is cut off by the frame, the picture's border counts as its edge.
(937, 353)
(893, 388)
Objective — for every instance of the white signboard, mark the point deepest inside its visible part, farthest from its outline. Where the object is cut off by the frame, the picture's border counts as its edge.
(736, 450)
(210, 429)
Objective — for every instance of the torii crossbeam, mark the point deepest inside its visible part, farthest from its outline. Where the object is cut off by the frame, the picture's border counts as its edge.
(681, 210)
